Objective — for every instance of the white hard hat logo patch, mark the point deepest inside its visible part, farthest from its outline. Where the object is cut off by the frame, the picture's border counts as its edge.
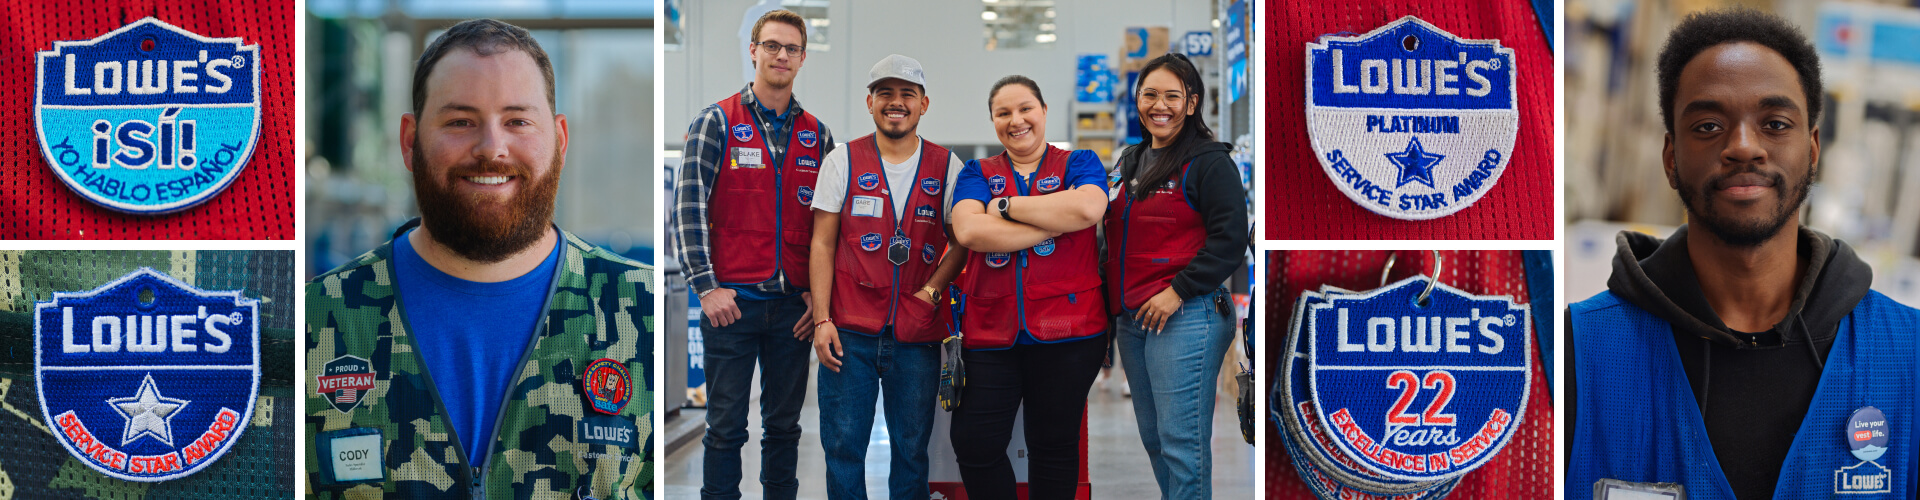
(1410, 121)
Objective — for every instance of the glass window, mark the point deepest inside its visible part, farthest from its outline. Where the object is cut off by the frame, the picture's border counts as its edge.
(1018, 24)
(815, 12)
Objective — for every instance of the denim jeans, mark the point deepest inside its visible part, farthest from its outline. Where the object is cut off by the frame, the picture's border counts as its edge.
(1172, 375)
(763, 334)
(909, 377)
(1051, 380)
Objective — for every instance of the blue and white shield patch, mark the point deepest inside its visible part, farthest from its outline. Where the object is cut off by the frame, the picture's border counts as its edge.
(931, 186)
(997, 184)
(1418, 392)
(1410, 121)
(148, 118)
(804, 194)
(869, 180)
(147, 378)
(1048, 184)
(871, 241)
(927, 253)
(999, 259)
(1044, 248)
(742, 132)
(807, 138)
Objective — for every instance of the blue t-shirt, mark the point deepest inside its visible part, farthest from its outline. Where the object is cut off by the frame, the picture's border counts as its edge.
(1083, 168)
(470, 335)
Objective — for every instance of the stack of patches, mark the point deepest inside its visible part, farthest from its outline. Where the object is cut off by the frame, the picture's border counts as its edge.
(1400, 391)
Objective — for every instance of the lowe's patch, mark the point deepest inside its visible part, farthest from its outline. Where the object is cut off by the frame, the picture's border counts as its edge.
(870, 241)
(148, 118)
(999, 259)
(742, 132)
(1049, 183)
(1044, 248)
(1865, 477)
(345, 381)
(931, 186)
(805, 194)
(1384, 373)
(147, 378)
(927, 253)
(925, 212)
(608, 385)
(806, 162)
(997, 184)
(807, 138)
(1410, 121)
(1318, 457)
(869, 180)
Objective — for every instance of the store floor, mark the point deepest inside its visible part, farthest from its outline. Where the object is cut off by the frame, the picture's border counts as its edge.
(1118, 467)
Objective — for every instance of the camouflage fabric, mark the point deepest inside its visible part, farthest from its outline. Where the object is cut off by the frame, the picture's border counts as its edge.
(34, 465)
(601, 307)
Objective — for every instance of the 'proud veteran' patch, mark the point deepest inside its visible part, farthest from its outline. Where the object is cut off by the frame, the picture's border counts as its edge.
(148, 118)
(1410, 121)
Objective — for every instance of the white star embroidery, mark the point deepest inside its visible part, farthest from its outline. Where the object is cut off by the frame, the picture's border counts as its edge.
(147, 413)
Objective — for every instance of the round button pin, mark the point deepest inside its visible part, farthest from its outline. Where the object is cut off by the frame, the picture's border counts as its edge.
(1867, 433)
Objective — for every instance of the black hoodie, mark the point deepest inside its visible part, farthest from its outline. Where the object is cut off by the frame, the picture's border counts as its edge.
(1753, 388)
(1213, 187)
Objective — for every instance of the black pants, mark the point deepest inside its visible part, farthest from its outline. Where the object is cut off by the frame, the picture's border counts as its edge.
(1052, 379)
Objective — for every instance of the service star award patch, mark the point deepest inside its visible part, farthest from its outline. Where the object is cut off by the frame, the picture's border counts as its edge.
(1415, 391)
(1409, 121)
(147, 378)
(148, 118)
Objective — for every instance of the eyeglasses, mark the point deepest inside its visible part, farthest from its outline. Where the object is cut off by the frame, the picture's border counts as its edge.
(1149, 97)
(774, 48)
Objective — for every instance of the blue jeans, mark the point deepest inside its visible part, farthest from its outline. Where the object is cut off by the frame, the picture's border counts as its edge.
(1172, 374)
(764, 333)
(909, 375)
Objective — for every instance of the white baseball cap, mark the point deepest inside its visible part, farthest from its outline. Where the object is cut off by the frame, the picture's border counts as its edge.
(897, 66)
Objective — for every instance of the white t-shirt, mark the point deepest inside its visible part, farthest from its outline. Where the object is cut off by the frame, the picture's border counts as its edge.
(830, 192)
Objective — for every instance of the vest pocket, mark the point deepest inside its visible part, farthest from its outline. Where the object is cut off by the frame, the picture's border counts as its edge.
(990, 321)
(918, 321)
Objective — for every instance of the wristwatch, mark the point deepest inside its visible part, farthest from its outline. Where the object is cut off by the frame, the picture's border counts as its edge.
(1006, 203)
(932, 293)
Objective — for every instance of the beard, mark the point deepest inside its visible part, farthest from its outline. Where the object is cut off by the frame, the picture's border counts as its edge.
(468, 225)
(880, 124)
(1735, 230)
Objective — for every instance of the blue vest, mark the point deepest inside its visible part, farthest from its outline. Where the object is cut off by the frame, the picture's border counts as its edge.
(1639, 422)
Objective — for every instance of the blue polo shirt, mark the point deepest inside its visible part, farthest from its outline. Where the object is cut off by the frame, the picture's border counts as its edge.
(1083, 168)
(470, 335)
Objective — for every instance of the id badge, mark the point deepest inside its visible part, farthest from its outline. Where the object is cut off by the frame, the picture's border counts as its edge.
(749, 157)
(898, 250)
(867, 206)
(1615, 489)
(350, 456)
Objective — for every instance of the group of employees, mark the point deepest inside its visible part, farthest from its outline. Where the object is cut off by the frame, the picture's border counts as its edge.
(792, 243)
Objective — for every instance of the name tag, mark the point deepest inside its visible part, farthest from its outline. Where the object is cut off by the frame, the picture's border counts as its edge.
(867, 206)
(352, 455)
(748, 157)
(1614, 489)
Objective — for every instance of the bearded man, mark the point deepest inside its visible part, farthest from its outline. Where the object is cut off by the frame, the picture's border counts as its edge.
(1745, 356)
(453, 361)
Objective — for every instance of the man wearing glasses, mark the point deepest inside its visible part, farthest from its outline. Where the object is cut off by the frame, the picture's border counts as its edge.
(743, 224)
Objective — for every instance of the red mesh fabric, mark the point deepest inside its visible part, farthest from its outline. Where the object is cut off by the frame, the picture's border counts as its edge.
(1304, 204)
(1524, 469)
(34, 204)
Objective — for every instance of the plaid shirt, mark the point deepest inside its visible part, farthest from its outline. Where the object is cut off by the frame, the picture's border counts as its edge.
(706, 150)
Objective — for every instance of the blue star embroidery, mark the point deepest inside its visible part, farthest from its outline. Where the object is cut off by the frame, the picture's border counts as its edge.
(1416, 165)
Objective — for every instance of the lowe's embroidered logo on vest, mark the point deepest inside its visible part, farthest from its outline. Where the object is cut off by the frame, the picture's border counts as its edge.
(807, 138)
(148, 118)
(742, 132)
(147, 378)
(1410, 121)
(1384, 373)
(1864, 477)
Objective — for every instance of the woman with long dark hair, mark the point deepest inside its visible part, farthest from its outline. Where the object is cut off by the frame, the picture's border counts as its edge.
(1176, 230)
(1033, 319)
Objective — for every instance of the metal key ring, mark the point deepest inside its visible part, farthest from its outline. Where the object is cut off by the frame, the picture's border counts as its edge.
(1437, 266)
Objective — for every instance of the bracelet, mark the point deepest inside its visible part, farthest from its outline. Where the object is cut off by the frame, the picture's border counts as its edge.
(822, 322)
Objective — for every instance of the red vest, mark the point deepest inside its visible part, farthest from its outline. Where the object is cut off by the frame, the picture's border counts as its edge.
(1051, 290)
(1149, 241)
(869, 292)
(758, 214)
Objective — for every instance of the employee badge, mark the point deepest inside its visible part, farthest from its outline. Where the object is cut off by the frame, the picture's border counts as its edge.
(147, 378)
(148, 118)
(1418, 381)
(1410, 121)
(607, 385)
(899, 249)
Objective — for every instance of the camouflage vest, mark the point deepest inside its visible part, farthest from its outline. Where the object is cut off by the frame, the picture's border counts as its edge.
(547, 442)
